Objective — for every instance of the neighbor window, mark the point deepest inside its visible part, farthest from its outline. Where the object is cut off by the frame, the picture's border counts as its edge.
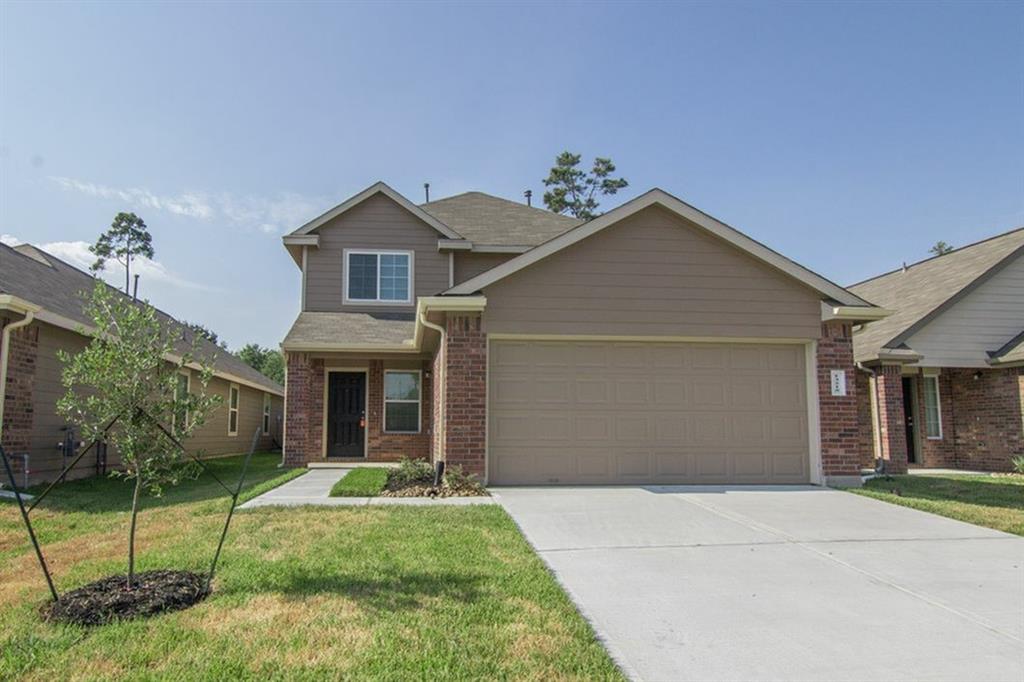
(233, 410)
(402, 401)
(180, 416)
(378, 276)
(266, 414)
(932, 413)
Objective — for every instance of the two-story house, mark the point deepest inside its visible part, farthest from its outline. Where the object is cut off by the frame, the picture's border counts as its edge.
(652, 344)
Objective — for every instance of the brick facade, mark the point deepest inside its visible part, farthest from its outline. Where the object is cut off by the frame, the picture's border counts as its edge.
(840, 444)
(987, 417)
(20, 391)
(466, 393)
(304, 421)
(891, 425)
(866, 434)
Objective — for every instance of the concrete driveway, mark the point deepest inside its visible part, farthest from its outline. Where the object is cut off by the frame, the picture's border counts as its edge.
(786, 583)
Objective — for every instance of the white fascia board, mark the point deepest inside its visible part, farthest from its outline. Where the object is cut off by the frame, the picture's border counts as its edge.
(372, 190)
(852, 313)
(19, 305)
(454, 245)
(666, 200)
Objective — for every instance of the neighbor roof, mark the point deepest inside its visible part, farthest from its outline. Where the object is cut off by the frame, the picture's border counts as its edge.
(1013, 351)
(925, 289)
(334, 331)
(60, 289)
(485, 219)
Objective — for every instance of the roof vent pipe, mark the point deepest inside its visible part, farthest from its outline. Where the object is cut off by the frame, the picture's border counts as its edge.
(904, 266)
(135, 289)
(529, 195)
(426, 190)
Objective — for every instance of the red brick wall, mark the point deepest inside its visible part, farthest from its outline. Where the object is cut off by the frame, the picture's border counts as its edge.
(892, 432)
(18, 400)
(840, 434)
(866, 437)
(390, 447)
(303, 409)
(466, 393)
(986, 417)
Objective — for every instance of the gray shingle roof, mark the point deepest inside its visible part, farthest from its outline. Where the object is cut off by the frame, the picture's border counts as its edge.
(316, 330)
(45, 280)
(485, 219)
(920, 289)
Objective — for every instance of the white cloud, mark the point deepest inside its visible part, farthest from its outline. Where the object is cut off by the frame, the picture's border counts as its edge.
(269, 215)
(77, 253)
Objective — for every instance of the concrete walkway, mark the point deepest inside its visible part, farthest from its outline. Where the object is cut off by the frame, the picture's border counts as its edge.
(781, 583)
(314, 488)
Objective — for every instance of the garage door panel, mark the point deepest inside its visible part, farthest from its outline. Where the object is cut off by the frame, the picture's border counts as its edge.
(602, 412)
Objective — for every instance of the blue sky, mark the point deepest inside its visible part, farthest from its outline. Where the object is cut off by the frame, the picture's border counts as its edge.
(848, 136)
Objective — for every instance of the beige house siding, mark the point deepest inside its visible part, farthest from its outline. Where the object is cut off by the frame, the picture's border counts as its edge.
(377, 223)
(469, 264)
(653, 274)
(45, 460)
(984, 320)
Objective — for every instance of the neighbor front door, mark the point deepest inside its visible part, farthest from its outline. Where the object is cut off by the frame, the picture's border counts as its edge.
(346, 414)
(909, 412)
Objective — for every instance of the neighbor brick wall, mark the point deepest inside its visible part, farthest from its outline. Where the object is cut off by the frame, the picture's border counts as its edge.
(466, 393)
(19, 397)
(986, 416)
(840, 434)
(391, 447)
(891, 428)
(866, 435)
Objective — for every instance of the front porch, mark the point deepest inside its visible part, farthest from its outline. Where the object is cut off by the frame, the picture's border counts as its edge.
(940, 418)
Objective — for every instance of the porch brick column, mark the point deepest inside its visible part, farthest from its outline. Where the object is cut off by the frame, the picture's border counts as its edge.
(891, 427)
(466, 393)
(303, 440)
(840, 429)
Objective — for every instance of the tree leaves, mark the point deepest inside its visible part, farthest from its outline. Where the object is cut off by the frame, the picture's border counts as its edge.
(127, 238)
(575, 191)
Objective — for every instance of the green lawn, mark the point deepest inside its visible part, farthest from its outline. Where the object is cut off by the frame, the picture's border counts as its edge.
(992, 501)
(361, 482)
(302, 593)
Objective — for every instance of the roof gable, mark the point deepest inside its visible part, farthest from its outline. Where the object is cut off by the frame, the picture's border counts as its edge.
(371, 191)
(665, 200)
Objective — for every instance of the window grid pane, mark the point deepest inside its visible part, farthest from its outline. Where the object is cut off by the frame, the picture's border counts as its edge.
(401, 386)
(402, 417)
(932, 416)
(394, 277)
(362, 276)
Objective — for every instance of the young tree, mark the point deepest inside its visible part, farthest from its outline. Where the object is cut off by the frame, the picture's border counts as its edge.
(127, 238)
(575, 191)
(941, 248)
(125, 374)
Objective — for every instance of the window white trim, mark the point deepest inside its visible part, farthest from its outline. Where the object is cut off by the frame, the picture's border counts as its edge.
(188, 389)
(234, 410)
(411, 294)
(418, 401)
(938, 406)
(266, 414)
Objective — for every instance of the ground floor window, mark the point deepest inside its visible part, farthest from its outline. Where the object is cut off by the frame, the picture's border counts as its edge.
(179, 420)
(266, 414)
(402, 401)
(932, 413)
(233, 410)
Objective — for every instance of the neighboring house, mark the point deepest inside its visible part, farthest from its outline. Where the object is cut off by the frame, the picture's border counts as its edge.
(653, 344)
(942, 378)
(31, 279)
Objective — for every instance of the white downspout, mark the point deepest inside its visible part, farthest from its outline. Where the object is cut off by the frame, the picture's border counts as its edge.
(5, 345)
(441, 428)
(876, 418)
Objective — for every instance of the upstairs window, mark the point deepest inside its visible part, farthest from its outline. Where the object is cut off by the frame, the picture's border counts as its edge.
(378, 276)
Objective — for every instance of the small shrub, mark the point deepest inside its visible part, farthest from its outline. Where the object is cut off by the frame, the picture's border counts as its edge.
(411, 472)
(361, 482)
(457, 479)
(1018, 464)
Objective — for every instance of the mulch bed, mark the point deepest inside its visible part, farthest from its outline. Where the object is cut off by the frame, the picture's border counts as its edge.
(428, 490)
(110, 599)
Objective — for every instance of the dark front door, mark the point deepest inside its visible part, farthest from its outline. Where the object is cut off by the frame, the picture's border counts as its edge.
(346, 414)
(909, 418)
